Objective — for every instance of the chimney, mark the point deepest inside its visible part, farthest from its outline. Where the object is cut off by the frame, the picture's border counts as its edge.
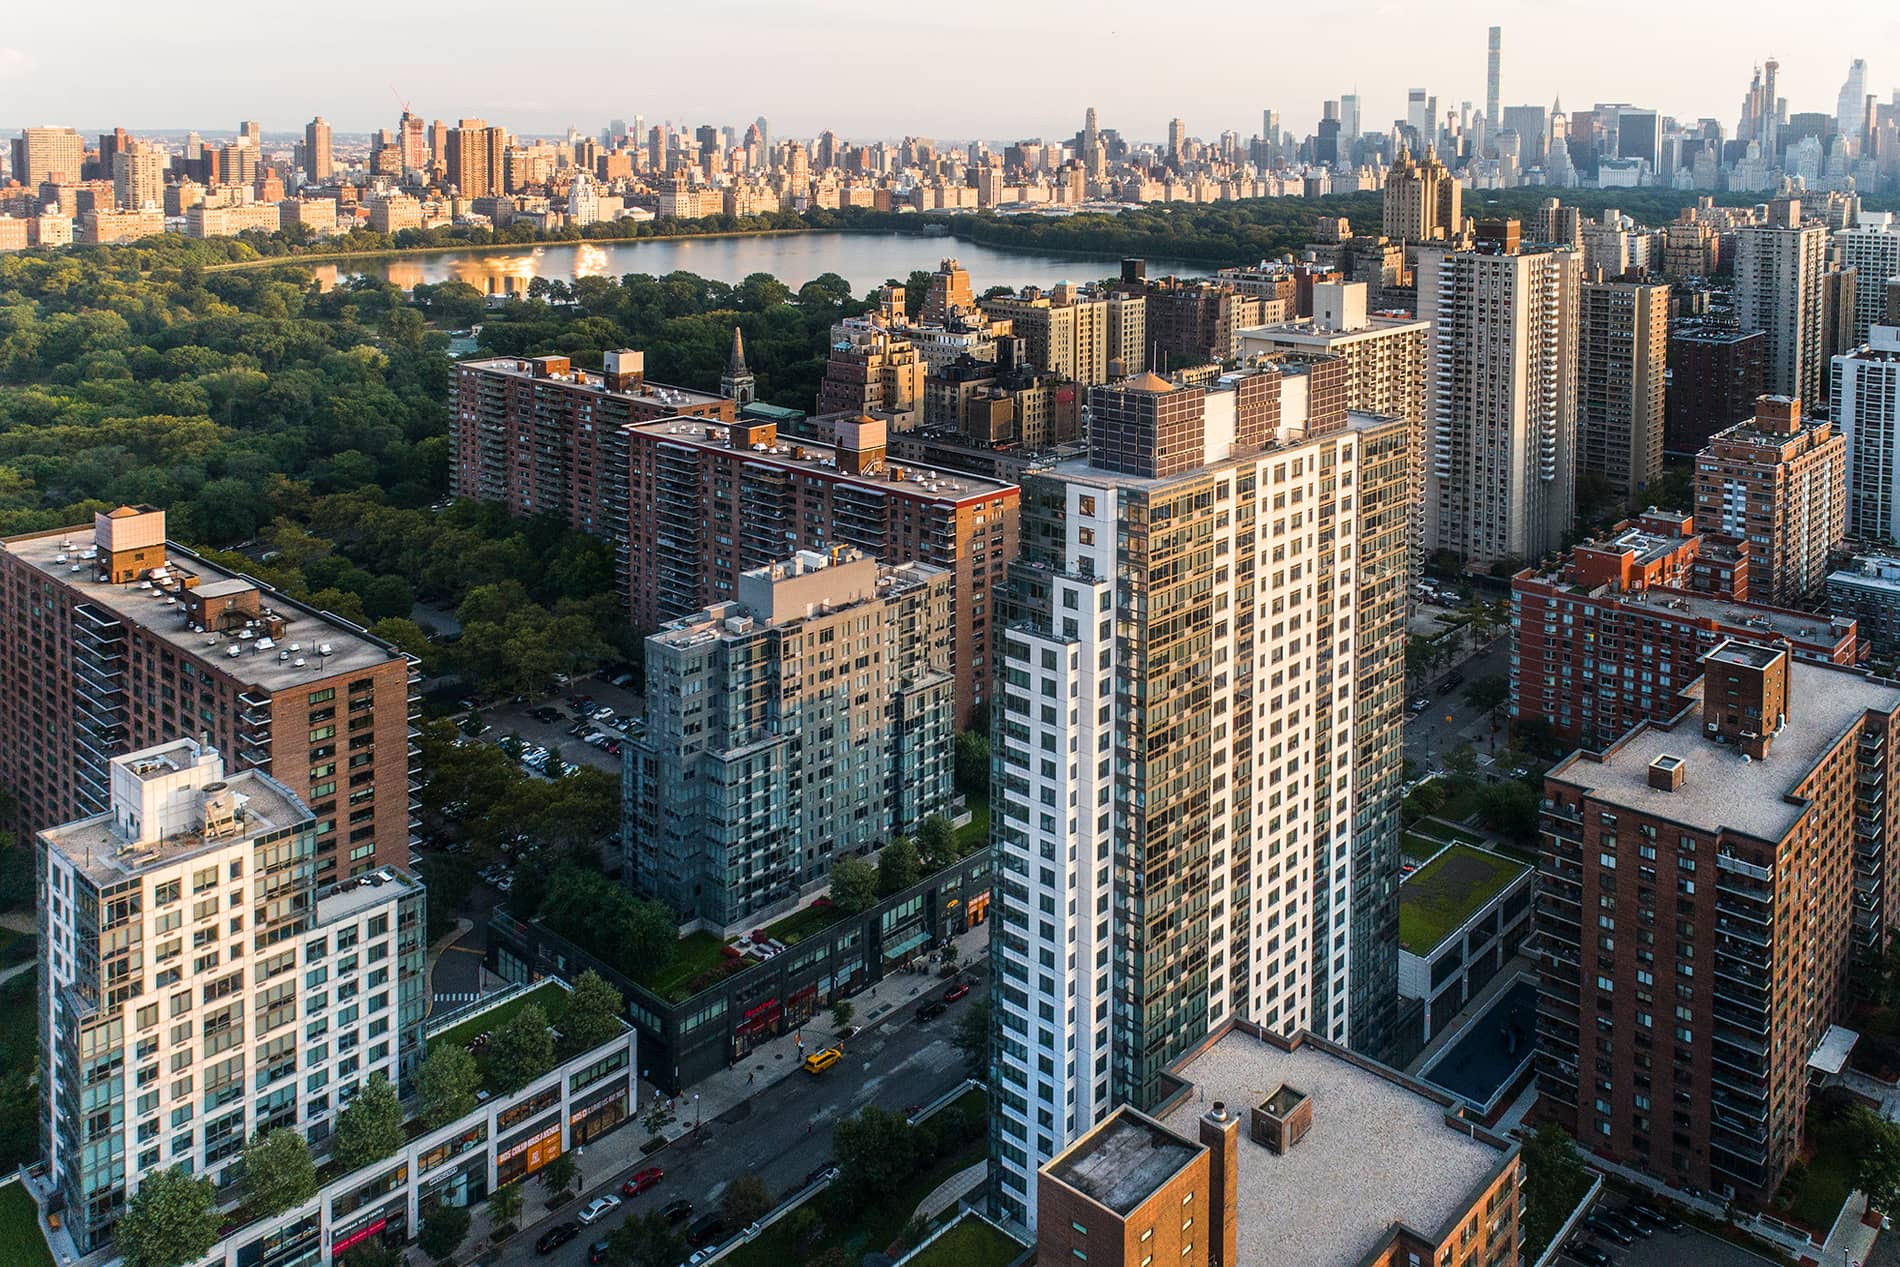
(860, 445)
(1745, 694)
(1778, 415)
(1220, 1131)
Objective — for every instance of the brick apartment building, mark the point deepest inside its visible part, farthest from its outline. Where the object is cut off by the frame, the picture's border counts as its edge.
(1781, 484)
(709, 501)
(1715, 377)
(1705, 882)
(1615, 634)
(117, 640)
(543, 438)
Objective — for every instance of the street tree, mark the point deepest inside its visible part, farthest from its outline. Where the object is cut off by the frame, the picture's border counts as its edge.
(559, 1173)
(972, 1038)
(875, 1150)
(504, 1205)
(443, 1230)
(370, 1126)
(1554, 1180)
(1874, 1157)
(745, 1200)
(278, 1172)
(647, 1241)
(841, 1013)
(172, 1219)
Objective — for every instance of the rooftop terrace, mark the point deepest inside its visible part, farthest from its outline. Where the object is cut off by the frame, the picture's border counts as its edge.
(1436, 900)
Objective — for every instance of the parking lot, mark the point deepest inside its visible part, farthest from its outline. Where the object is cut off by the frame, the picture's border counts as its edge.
(1663, 1248)
(557, 735)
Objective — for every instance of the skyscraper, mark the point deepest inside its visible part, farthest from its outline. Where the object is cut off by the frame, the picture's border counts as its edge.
(138, 175)
(1493, 119)
(1503, 351)
(318, 165)
(1623, 349)
(476, 158)
(1177, 140)
(1867, 409)
(1348, 121)
(1191, 788)
(1781, 483)
(1424, 202)
(1872, 249)
(1418, 116)
(39, 153)
(1851, 110)
(1778, 269)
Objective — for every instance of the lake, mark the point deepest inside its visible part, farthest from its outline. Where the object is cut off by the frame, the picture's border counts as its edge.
(863, 259)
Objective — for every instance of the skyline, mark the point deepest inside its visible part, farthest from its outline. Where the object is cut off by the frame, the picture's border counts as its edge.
(946, 93)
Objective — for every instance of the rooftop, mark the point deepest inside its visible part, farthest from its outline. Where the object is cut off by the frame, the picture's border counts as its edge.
(102, 853)
(588, 380)
(1722, 790)
(1080, 471)
(1874, 571)
(347, 898)
(1379, 1152)
(1437, 899)
(1123, 1161)
(908, 479)
(1801, 628)
(64, 555)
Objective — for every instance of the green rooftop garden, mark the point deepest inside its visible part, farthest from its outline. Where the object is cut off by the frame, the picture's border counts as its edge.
(20, 1229)
(698, 960)
(970, 1242)
(805, 921)
(1438, 897)
(549, 996)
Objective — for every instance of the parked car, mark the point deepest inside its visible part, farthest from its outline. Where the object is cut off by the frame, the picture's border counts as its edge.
(597, 1252)
(823, 1174)
(1629, 1223)
(1609, 1230)
(706, 1231)
(546, 715)
(622, 680)
(677, 1210)
(556, 1236)
(600, 1207)
(641, 1181)
(1589, 1255)
(603, 713)
(1665, 1218)
(819, 1061)
(932, 1010)
(1418, 705)
(956, 992)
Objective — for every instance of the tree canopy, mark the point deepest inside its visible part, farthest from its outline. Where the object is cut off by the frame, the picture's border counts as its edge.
(447, 1083)
(278, 1172)
(171, 1219)
(370, 1126)
(522, 1049)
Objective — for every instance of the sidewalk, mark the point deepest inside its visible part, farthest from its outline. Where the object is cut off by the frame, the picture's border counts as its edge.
(1850, 1241)
(1774, 1234)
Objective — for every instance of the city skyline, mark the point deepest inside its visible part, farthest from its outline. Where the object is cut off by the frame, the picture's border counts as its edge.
(49, 77)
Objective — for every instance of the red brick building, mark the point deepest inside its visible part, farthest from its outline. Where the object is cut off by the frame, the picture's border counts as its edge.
(117, 640)
(1615, 634)
(1705, 883)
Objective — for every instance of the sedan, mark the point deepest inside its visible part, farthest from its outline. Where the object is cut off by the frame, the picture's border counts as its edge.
(677, 1210)
(1589, 1255)
(603, 713)
(932, 1010)
(1608, 1230)
(556, 1236)
(600, 1207)
(956, 992)
(642, 1181)
(598, 1251)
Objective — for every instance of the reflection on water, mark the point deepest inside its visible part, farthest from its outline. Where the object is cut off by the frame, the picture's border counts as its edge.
(865, 260)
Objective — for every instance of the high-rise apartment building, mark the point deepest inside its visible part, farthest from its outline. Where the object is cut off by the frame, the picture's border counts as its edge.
(1494, 64)
(1503, 352)
(1778, 290)
(1780, 483)
(42, 154)
(809, 719)
(949, 294)
(116, 639)
(1195, 321)
(1623, 349)
(1705, 882)
(873, 368)
(1867, 410)
(1064, 329)
(1872, 249)
(201, 984)
(1715, 378)
(1194, 806)
(1613, 634)
(319, 166)
(1423, 201)
(543, 438)
(138, 175)
(709, 500)
(476, 158)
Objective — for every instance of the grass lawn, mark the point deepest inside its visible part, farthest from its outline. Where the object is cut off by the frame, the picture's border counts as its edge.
(971, 1242)
(1814, 1194)
(801, 924)
(1419, 847)
(20, 1230)
(974, 834)
(1436, 899)
(549, 996)
(695, 955)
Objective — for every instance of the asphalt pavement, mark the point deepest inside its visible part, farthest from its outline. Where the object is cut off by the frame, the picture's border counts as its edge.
(781, 1134)
(1429, 736)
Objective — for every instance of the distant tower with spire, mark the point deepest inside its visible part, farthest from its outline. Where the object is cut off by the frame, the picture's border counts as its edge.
(736, 383)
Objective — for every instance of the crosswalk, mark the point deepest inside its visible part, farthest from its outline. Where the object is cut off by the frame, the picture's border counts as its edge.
(465, 996)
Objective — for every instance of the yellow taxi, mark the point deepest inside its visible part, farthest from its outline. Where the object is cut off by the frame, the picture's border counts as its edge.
(819, 1061)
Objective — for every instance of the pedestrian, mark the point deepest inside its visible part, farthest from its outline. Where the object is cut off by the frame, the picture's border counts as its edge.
(751, 1078)
(808, 1128)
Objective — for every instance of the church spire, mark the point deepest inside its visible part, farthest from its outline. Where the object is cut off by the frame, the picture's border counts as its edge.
(735, 360)
(737, 382)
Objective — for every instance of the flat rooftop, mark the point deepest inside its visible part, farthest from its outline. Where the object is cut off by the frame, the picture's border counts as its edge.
(1437, 899)
(93, 847)
(1646, 546)
(1081, 471)
(922, 482)
(1876, 572)
(1720, 790)
(1378, 1153)
(347, 898)
(592, 381)
(1123, 1161)
(1800, 628)
(267, 664)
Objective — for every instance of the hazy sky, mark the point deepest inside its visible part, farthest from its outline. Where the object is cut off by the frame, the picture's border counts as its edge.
(997, 69)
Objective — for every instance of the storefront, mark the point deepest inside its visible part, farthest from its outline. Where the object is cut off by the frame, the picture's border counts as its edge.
(528, 1152)
(388, 1225)
(599, 1115)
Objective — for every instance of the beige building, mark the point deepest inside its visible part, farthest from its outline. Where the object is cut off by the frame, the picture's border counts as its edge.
(1781, 483)
(1423, 201)
(873, 369)
(1778, 289)
(205, 221)
(138, 176)
(1503, 354)
(13, 234)
(1623, 350)
(43, 154)
(394, 213)
(103, 227)
(1064, 329)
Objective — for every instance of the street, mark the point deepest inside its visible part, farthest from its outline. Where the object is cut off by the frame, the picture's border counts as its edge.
(781, 1134)
(1428, 736)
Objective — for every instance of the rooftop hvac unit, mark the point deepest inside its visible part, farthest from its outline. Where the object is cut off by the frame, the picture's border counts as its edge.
(297, 663)
(324, 649)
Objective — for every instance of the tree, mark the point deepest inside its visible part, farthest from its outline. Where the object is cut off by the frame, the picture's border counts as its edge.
(853, 885)
(1510, 807)
(898, 867)
(973, 764)
(1490, 692)
(936, 842)
(841, 1013)
(370, 1126)
(973, 1038)
(443, 1230)
(1873, 1152)
(522, 1049)
(504, 1205)
(372, 1253)
(951, 952)
(592, 1016)
(1462, 761)
(647, 1241)
(171, 1219)
(447, 1082)
(278, 1172)
(875, 1151)
(559, 1173)
(745, 1200)
(1554, 1181)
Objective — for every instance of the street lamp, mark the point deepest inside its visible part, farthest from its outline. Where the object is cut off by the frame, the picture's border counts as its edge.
(698, 1118)
(580, 1151)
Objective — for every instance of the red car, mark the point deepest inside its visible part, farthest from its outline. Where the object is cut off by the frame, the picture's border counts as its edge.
(956, 992)
(642, 1181)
